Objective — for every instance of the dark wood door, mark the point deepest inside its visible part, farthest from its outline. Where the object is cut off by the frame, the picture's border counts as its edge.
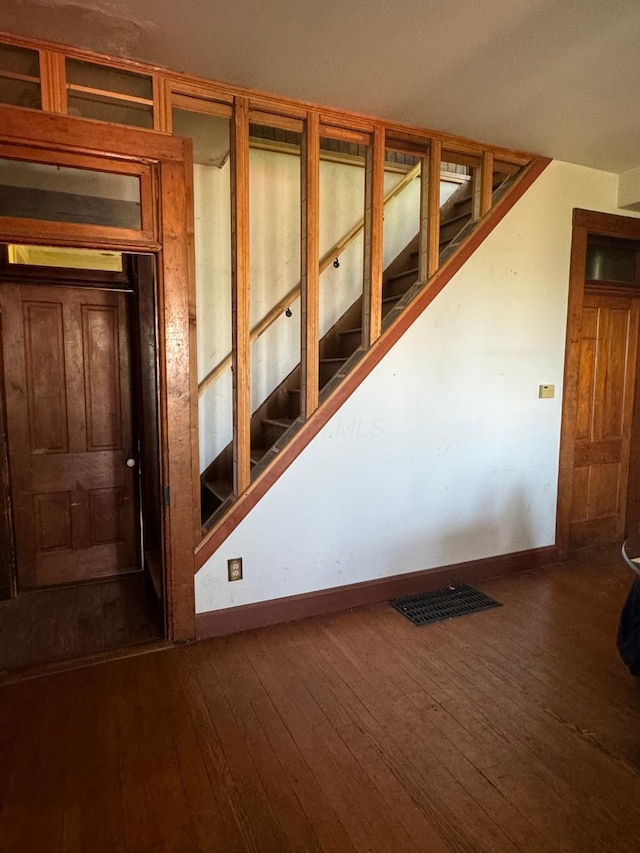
(68, 394)
(608, 352)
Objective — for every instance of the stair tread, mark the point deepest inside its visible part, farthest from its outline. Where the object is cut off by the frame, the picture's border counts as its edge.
(333, 360)
(285, 423)
(220, 488)
(351, 331)
(392, 298)
(411, 271)
(457, 218)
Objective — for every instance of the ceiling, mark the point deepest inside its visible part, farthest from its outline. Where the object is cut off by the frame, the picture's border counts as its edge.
(556, 77)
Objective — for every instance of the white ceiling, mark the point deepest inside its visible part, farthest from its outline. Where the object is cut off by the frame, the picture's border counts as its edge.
(557, 77)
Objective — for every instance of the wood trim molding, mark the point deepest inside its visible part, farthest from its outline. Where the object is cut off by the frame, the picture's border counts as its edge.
(216, 91)
(330, 406)
(216, 623)
(373, 225)
(310, 258)
(433, 209)
(167, 161)
(241, 343)
(585, 222)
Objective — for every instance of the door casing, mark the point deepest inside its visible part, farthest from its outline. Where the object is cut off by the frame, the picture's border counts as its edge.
(163, 164)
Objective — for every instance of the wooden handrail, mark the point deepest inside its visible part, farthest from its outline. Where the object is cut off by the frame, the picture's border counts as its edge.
(272, 315)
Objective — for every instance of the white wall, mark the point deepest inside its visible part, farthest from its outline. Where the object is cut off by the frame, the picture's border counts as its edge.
(444, 453)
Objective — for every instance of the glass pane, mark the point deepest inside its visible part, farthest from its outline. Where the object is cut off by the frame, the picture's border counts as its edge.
(108, 79)
(212, 218)
(16, 64)
(341, 215)
(274, 213)
(59, 256)
(19, 60)
(62, 194)
(401, 231)
(611, 261)
(19, 93)
(103, 108)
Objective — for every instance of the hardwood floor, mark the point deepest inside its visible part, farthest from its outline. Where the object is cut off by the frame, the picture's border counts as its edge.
(513, 729)
(64, 622)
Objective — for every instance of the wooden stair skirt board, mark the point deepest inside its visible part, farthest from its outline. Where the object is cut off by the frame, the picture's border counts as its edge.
(456, 257)
(216, 623)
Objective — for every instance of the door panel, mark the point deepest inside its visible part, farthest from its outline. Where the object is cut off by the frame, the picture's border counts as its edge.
(67, 381)
(608, 350)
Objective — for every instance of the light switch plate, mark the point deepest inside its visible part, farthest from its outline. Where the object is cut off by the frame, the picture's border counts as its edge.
(545, 392)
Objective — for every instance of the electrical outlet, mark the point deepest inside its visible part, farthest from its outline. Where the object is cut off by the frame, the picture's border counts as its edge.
(234, 567)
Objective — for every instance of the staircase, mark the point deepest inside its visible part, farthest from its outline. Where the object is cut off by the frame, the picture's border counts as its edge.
(277, 420)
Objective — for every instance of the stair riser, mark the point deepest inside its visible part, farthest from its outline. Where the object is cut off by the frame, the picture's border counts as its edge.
(399, 286)
(328, 371)
(349, 344)
(449, 230)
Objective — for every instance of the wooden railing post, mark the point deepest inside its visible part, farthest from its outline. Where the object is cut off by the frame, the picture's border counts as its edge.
(310, 259)
(432, 194)
(486, 183)
(373, 224)
(240, 296)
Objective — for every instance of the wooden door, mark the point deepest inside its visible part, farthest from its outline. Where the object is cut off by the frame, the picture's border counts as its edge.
(608, 350)
(67, 385)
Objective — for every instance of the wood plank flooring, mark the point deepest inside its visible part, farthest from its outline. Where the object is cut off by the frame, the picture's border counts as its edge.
(66, 622)
(514, 729)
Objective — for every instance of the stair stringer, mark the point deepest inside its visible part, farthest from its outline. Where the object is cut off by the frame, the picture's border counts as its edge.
(362, 362)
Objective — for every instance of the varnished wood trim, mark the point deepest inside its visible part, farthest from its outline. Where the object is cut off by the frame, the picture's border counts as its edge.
(217, 623)
(82, 136)
(373, 225)
(52, 82)
(162, 115)
(216, 91)
(241, 350)
(330, 406)
(295, 125)
(199, 105)
(345, 134)
(424, 236)
(585, 222)
(433, 209)
(486, 183)
(310, 253)
(177, 410)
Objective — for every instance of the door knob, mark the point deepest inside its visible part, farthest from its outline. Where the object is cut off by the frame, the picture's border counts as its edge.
(131, 463)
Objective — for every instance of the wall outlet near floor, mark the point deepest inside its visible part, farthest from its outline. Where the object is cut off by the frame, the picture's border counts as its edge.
(234, 567)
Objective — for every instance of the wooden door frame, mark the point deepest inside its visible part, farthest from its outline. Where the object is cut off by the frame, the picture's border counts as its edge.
(585, 222)
(164, 164)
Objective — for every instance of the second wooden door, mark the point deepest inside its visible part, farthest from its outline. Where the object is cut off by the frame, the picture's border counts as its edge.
(608, 354)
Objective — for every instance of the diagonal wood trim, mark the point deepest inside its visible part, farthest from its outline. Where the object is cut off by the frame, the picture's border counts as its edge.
(216, 623)
(330, 406)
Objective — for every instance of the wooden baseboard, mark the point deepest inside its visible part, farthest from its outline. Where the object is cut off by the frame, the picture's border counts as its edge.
(216, 623)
